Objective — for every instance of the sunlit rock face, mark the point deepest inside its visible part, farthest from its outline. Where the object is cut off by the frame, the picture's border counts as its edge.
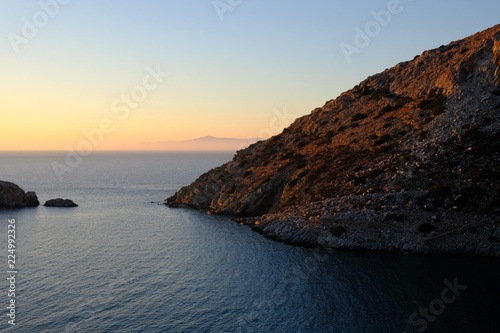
(428, 126)
(408, 127)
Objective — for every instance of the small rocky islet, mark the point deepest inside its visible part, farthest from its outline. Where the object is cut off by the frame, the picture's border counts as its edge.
(59, 202)
(408, 161)
(12, 196)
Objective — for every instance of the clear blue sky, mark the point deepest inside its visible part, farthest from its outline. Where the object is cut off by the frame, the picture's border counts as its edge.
(226, 77)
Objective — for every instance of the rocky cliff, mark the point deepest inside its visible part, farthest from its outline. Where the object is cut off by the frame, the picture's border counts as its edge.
(412, 151)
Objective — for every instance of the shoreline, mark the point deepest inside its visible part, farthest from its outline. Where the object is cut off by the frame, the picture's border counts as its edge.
(377, 222)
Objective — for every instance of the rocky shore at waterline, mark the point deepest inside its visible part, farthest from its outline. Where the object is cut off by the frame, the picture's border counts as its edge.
(398, 222)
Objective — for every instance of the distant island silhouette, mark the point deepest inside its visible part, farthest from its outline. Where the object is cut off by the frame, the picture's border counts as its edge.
(204, 143)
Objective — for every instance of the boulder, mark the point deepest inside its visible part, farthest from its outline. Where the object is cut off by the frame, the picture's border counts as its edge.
(59, 202)
(12, 195)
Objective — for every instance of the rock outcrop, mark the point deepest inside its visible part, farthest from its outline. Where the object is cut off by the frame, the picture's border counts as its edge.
(428, 126)
(59, 202)
(12, 195)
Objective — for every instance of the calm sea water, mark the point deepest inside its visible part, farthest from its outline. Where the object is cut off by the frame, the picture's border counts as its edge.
(124, 262)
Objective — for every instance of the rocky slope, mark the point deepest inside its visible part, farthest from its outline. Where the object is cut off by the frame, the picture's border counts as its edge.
(12, 195)
(341, 176)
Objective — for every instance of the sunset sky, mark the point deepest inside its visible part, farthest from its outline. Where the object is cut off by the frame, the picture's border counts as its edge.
(235, 68)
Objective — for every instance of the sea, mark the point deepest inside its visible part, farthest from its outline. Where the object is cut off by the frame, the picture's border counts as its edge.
(122, 261)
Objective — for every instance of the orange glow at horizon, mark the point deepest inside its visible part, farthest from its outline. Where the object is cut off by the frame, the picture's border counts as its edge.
(67, 130)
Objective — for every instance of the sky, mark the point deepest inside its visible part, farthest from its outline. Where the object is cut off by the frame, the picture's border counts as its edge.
(105, 75)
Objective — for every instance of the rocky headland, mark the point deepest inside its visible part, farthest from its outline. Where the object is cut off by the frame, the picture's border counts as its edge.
(408, 160)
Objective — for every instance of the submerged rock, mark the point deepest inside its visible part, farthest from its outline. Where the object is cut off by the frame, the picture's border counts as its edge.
(11, 195)
(59, 202)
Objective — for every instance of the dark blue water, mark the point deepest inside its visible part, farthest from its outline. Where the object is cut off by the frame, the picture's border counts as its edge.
(123, 262)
